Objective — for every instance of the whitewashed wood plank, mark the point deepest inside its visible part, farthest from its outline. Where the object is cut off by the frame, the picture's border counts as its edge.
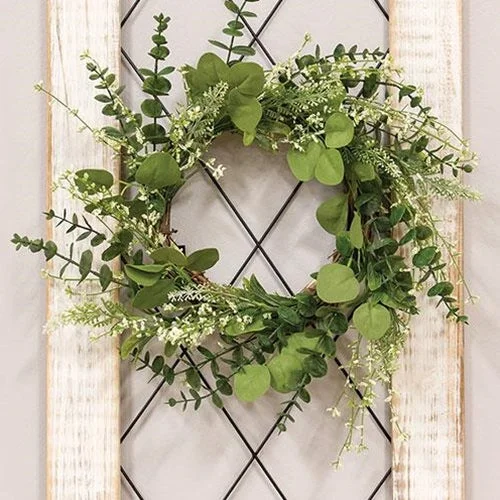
(425, 38)
(82, 376)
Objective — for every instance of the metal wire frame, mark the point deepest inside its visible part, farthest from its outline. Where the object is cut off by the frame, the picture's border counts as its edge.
(257, 248)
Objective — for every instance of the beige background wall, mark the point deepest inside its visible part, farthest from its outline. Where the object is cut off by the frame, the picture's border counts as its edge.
(22, 146)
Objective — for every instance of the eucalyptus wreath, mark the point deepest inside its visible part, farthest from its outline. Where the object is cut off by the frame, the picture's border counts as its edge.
(344, 119)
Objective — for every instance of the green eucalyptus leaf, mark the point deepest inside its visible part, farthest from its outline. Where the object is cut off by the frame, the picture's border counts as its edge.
(154, 133)
(156, 85)
(211, 69)
(423, 232)
(169, 255)
(248, 138)
(343, 244)
(204, 259)
(49, 250)
(363, 171)
(332, 214)
(316, 366)
(219, 45)
(158, 170)
(330, 167)
(131, 343)
(105, 276)
(372, 320)
(244, 111)
(397, 213)
(303, 164)
(339, 130)
(243, 50)
(252, 382)
(146, 274)
(99, 177)
(247, 77)
(424, 257)
(337, 283)
(442, 289)
(85, 265)
(153, 296)
(356, 232)
(286, 372)
(303, 340)
(152, 108)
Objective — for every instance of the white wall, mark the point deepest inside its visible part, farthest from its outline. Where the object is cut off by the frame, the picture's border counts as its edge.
(482, 246)
(22, 143)
(22, 306)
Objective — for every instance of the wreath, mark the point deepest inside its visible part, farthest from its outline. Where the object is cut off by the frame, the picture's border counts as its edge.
(344, 119)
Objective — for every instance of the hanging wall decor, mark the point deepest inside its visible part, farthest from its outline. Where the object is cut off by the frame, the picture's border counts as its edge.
(347, 120)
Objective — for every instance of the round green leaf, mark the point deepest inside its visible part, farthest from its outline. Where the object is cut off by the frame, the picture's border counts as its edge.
(158, 170)
(330, 168)
(303, 164)
(337, 283)
(152, 108)
(286, 372)
(153, 296)
(169, 255)
(248, 77)
(252, 382)
(303, 340)
(339, 130)
(98, 176)
(372, 320)
(201, 260)
(211, 70)
(244, 111)
(332, 214)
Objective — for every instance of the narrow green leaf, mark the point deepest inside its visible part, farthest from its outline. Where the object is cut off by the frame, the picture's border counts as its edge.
(356, 232)
(153, 296)
(85, 265)
(201, 260)
(105, 276)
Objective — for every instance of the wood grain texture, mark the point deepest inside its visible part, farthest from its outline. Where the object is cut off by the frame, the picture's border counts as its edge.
(425, 38)
(82, 376)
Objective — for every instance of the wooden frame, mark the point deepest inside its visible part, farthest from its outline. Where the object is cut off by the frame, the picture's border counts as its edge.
(82, 376)
(83, 383)
(425, 38)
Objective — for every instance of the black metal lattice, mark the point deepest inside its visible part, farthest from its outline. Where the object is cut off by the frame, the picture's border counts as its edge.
(257, 247)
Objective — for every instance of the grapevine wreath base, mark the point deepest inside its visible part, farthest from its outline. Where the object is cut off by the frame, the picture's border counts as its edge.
(331, 113)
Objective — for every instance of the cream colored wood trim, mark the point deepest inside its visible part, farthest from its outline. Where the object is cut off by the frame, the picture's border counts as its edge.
(425, 38)
(82, 376)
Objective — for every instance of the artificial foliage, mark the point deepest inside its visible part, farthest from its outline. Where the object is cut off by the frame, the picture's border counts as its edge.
(344, 119)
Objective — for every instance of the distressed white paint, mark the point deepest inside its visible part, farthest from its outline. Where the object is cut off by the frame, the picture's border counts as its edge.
(425, 38)
(83, 384)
